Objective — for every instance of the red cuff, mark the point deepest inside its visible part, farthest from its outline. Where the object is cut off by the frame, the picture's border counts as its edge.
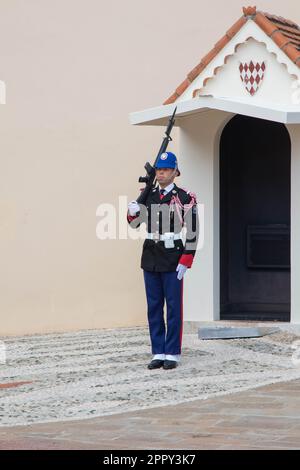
(187, 260)
(130, 218)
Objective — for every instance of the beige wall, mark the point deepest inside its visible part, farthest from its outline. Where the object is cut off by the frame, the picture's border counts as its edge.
(74, 69)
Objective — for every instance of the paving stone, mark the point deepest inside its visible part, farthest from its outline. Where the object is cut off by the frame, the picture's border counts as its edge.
(156, 428)
(217, 332)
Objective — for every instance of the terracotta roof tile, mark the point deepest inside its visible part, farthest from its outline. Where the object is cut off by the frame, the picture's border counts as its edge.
(280, 20)
(249, 11)
(196, 71)
(265, 24)
(293, 37)
(182, 87)
(288, 29)
(222, 43)
(282, 36)
(236, 27)
(280, 39)
(172, 98)
(209, 57)
(293, 53)
(285, 33)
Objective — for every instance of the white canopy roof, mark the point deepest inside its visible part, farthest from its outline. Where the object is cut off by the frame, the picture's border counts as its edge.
(158, 116)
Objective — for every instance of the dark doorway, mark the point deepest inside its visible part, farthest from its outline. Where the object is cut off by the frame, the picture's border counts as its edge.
(255, 169)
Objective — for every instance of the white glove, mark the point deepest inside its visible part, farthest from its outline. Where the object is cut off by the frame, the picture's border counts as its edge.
(181, 268)
(133, 208)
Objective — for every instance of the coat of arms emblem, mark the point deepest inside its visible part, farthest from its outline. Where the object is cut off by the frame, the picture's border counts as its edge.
(252, 75)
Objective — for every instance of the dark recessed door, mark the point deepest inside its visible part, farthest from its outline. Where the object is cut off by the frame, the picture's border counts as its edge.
(255, 168)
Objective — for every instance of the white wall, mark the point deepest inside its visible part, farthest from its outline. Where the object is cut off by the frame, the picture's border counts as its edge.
(199, 148)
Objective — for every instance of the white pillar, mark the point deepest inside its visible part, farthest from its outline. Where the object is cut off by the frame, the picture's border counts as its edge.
(294, 131)
(199, 156)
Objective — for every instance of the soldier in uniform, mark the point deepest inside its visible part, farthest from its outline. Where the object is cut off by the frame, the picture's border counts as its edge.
(166, 258)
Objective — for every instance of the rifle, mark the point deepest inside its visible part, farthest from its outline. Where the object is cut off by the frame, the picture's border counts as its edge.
(149, 179)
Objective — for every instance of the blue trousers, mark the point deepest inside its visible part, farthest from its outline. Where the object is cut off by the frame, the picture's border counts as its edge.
(161, 287)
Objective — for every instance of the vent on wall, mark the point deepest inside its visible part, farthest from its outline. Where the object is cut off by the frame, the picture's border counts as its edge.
(268, 246)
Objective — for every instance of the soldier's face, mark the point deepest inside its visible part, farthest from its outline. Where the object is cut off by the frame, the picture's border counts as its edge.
(165, 176)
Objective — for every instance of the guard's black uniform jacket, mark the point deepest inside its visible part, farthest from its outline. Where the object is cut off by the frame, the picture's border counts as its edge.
(176, 209)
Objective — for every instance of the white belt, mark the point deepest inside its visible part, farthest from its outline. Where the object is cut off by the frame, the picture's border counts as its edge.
(157, 236)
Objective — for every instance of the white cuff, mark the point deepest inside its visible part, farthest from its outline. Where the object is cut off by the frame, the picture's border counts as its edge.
(159, 356)
(171, 357)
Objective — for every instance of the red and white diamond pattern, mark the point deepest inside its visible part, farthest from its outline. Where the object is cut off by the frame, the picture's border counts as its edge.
(252, 75)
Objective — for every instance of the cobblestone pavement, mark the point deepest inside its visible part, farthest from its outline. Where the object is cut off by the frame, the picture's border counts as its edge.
(263, 418)
(71, 376)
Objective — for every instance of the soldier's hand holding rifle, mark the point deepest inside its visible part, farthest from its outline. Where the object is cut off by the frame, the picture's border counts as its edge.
(133, 208)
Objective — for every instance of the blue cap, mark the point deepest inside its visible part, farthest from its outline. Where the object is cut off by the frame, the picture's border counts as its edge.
(167, 160)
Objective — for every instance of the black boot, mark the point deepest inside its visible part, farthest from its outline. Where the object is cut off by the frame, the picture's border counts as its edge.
(156, 364)
(170, 364)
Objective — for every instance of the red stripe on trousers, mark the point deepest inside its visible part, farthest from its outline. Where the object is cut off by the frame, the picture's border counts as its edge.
(181, 314)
